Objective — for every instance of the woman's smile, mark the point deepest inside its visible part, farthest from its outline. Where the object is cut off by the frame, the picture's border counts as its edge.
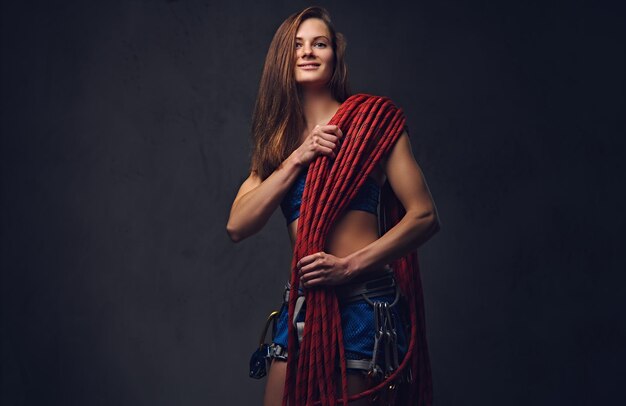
(309, 66)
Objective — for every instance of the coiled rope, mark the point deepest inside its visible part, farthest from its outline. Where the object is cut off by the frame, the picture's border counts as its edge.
(371, 125)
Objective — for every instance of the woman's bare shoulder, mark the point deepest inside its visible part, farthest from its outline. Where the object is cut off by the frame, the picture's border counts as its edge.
(401, 143)
(406, 178)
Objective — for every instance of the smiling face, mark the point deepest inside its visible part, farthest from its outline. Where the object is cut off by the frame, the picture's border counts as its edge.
(314, 53)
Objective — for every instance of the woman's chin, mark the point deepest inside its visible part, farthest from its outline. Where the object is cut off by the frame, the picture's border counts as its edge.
(312, 84)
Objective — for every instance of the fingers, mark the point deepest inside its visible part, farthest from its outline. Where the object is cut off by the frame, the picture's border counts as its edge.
(309, 259)
(312, 263)
(314, 282)
(308, 276)
(327, 151)
(310, 267)
(325, 147)
(325, 143)
(330, 129)
(319, 269)
(326, 139)
(322, 140)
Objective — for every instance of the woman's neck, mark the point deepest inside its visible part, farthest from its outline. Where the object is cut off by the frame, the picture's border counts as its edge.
(319, 107)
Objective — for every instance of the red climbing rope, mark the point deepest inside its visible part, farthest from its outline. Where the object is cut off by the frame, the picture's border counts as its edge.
(371, 125)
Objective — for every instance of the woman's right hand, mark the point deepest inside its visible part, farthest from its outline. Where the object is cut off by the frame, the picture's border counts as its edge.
(322, 140)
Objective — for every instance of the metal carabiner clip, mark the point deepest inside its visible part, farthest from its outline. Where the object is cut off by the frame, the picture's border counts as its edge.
(258, 360)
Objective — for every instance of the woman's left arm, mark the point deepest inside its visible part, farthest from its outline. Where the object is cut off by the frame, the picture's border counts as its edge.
(419, 223)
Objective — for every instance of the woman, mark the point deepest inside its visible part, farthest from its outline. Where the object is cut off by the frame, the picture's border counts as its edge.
(303, 86)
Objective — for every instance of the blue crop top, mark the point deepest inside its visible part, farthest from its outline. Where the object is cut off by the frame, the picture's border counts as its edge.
(366, 198)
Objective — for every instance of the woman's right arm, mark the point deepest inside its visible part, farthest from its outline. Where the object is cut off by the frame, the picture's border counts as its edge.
(256, 200)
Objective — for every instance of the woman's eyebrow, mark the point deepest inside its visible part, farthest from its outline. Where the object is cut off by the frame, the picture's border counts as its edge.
(319, 36)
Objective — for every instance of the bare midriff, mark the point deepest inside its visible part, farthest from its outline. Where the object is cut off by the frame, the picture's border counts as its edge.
(353, 230)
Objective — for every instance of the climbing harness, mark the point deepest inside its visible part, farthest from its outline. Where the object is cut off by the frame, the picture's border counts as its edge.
(385, 357)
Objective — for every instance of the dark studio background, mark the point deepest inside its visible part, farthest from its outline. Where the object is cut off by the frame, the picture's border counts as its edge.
(125, 135)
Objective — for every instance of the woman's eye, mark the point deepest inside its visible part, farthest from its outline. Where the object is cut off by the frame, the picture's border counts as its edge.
(317, 43)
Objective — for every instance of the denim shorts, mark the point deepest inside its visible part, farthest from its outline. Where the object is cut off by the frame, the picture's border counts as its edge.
(358, 326)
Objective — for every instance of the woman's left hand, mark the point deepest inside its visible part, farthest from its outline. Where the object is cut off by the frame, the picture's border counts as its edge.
(322, 268)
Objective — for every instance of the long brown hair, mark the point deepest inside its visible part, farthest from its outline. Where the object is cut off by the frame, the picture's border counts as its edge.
(278, 117)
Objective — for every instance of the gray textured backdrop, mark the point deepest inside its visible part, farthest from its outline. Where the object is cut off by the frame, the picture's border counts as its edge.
(125, 137)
